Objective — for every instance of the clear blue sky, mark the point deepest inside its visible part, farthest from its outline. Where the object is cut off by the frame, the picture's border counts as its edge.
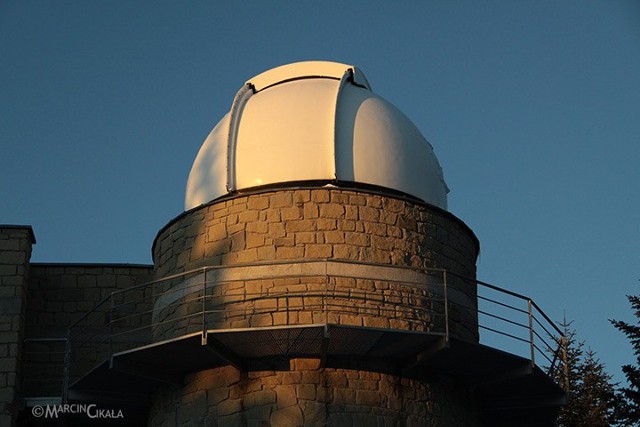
(533, 109)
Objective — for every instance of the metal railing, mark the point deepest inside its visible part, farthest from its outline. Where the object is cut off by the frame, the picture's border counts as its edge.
(311, 293)
(515, 322)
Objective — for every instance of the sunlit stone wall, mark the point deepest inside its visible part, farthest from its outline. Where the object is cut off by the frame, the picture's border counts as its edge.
(316, 223)
(306, 395)
(307, 224)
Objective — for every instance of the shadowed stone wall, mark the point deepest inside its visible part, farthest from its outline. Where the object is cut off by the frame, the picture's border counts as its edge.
(59, 295)
(15, 252)
(38, 302)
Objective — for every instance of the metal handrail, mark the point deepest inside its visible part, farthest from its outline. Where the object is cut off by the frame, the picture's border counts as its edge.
(532, 308)
(513, 294)
(109, 321)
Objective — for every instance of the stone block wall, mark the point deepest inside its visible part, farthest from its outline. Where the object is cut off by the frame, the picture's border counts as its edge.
(304, 300)
(38, 302)
(316, 223)
(59, 295)
(15, 253)
(307, 395)
(306, 224)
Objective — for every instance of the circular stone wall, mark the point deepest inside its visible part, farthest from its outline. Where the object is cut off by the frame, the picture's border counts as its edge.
(316, 224)
(307, 395)
(284, 227)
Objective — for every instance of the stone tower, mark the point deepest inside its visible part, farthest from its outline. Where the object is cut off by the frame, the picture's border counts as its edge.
(322, 210)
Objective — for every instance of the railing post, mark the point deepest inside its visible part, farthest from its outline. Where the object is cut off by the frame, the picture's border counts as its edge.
(533, 349)
(111, 317)
(204, 306)
(67, 367)
(446, 307)
(326, 290)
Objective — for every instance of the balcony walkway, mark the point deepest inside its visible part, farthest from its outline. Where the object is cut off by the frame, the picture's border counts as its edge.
(414, 323)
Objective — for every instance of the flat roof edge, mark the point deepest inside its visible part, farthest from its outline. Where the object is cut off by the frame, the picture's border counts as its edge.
(20, 227)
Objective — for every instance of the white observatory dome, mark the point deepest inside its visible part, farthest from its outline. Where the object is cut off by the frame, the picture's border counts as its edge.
(314, 121)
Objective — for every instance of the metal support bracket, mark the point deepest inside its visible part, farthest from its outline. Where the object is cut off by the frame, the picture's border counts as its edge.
(219, 350)
(144, 371)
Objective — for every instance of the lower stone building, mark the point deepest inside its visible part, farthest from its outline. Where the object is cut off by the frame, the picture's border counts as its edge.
(38, 303)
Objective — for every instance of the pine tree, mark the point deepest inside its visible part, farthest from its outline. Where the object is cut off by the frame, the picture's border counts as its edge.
(598, 398)
(630, 396)
(591, 399)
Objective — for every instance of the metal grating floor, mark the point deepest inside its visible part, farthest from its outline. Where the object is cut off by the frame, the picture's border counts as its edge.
(508, 387)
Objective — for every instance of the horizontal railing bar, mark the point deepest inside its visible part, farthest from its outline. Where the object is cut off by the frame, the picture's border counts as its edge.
(543, 327)
(494, 316)
(549, 321)
(490, 286)
(132, 316)
(302, 308)
(94, 310)
(480, 297)
(419, 285)
(90, 339)
(197, 286)
(171, 320)
(503, 333)
(28, 340)
(277, 262)
(508, 292)
(164, 279)
(556, 358)
(542, 353)
(130, 331)
(543, 341)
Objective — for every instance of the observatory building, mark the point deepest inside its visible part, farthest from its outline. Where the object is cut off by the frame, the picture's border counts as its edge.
(315, 278)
